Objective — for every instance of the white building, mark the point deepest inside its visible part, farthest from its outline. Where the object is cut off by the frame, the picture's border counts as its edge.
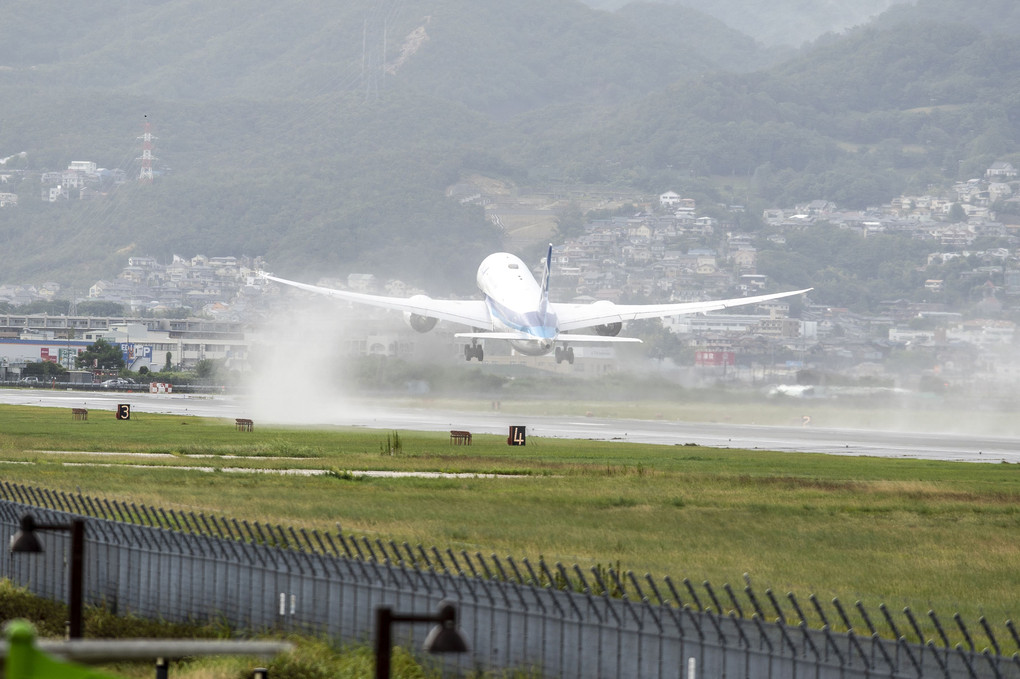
(669, 199)
(85, 166)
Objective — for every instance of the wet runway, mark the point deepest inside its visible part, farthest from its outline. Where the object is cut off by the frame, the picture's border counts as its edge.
(917, 445)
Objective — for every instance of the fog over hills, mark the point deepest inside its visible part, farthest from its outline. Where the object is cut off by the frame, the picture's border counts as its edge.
(780, 23)
(324, 137)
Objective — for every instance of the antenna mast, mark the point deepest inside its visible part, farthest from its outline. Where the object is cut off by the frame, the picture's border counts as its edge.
(145, 176)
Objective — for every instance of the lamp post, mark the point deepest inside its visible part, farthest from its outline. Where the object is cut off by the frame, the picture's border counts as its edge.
(25, 541)
(443, 638)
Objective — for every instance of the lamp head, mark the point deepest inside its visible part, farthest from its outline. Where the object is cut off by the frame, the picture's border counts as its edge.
(444, 637)
(25, 540)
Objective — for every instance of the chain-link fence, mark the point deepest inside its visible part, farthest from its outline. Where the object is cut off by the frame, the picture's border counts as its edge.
(559, 621)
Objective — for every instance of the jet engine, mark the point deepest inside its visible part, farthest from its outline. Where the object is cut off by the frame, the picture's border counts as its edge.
(609, 329)
(417, 321)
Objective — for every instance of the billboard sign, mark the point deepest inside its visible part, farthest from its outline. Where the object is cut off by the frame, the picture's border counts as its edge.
(134, 352)
(715, 359)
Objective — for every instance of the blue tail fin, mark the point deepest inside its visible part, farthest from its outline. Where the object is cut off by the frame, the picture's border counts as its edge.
(543, 302)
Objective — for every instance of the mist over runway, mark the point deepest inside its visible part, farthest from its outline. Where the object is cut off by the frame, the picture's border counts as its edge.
(796, 439)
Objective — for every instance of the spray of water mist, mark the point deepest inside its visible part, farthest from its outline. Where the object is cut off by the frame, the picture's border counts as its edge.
(297, 359)
(299, 362)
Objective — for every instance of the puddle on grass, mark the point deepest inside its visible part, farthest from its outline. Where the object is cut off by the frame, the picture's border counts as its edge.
(253, 470)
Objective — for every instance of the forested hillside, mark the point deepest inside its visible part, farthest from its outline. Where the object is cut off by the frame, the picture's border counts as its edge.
(856, 120)
(323, 137)
(320, 136)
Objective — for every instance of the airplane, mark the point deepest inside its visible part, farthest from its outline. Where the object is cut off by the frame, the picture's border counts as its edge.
(516, 308)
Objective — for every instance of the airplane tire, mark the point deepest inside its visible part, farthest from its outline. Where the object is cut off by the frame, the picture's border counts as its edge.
(479, 353)
(570, 355)
(559, 355)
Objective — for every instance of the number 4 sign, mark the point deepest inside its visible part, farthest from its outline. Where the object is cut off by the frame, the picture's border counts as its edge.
(517, 436)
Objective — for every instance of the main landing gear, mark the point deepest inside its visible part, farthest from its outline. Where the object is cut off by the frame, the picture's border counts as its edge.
(473, 350)
(565, 354)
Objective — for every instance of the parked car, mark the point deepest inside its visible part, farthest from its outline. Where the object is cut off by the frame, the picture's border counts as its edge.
(117, 382)
(30, 380)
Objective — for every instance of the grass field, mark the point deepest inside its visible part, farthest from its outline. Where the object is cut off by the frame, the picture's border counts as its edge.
(924, 534)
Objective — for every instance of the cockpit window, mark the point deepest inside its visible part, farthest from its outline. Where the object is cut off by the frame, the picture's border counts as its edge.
(512, 266)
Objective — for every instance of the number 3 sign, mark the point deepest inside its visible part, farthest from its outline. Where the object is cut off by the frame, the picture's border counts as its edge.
(123, 411)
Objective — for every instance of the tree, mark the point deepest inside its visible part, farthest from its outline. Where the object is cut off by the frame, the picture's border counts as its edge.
(101, 354)
(957, 214)
(206, 368)
(570, 221)
(45, 369)
(100, 308)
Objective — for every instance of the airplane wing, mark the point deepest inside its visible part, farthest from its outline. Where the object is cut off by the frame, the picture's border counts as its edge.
(468, 312)
(602, 339)
(577, 316)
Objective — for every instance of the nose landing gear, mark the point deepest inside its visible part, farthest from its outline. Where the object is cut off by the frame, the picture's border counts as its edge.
(564, 354)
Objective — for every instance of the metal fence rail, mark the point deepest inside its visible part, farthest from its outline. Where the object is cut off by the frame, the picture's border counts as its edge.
(564, 622)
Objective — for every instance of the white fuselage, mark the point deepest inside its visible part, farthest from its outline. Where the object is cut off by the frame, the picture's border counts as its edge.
(515, 302)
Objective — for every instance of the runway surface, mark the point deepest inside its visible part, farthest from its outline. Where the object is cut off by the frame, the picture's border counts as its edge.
(917, 445)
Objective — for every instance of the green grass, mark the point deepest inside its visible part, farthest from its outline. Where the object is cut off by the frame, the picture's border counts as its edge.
(311, 657)
(924, 534)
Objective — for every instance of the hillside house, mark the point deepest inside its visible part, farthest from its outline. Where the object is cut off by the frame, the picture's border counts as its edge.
(704, 225)
(817, 208)
(120, 290)
(707, 265)
(639, 232)
(684, 209)
(54, 193)
(999, 191)
(1001, 171)
(83, 166)
(753, 284)
(636, 254)
(745, 259)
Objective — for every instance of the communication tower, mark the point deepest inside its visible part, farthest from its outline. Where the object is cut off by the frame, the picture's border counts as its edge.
(145, 176)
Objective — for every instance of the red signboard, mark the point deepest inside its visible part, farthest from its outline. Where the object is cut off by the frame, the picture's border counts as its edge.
(714, 358)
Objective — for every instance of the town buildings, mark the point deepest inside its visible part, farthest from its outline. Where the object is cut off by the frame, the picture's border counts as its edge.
(668, 249)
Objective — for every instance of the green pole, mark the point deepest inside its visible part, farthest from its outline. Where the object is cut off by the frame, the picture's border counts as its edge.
(25, 661)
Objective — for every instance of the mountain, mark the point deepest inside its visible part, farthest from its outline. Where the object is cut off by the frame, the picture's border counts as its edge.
(324, 137)
(494, 56)
(997, 17)
(780, 23)
(886, 108)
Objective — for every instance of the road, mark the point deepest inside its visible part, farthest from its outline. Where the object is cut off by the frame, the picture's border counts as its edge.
(917, 445)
